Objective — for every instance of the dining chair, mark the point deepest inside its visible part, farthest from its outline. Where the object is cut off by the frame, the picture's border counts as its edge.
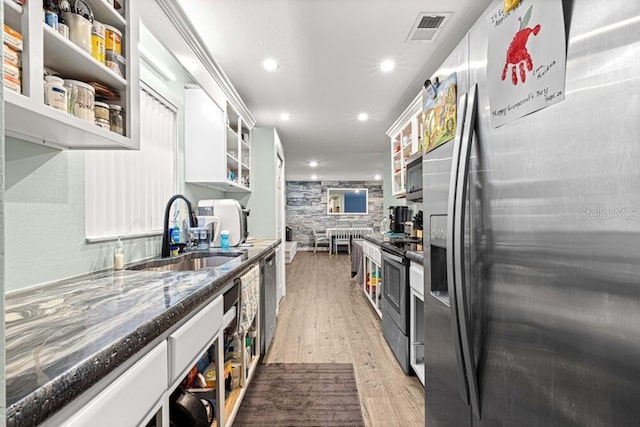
(342, 237)
(319, 238)
(344, 223)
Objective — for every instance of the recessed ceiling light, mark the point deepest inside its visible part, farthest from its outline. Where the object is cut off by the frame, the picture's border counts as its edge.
(363, 117)
(270, 64)
(314, 177)
(377, 177)
(285, 116)
(313, 164)
(387, 65)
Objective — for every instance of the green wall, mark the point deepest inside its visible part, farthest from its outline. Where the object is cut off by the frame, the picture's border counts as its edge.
(262, 219)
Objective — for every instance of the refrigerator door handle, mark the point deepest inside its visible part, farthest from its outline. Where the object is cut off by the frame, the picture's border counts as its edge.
(459, 246)
(451, 278)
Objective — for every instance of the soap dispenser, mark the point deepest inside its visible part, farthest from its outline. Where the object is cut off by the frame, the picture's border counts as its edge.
(118, 255)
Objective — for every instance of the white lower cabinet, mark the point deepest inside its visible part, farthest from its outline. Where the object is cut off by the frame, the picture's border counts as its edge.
(416, 321)
(131, 397)
(372, 281)
(201, 347)
(141, 395)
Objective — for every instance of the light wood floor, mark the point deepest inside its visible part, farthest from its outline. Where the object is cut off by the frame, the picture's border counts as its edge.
(326, 318)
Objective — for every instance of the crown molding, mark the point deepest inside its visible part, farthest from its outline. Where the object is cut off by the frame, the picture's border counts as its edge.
(176, 15)
(407, 114)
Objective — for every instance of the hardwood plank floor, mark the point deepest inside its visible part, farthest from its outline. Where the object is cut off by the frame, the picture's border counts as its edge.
(326, 318)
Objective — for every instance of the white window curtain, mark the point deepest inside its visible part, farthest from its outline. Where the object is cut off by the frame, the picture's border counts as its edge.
(126, 191)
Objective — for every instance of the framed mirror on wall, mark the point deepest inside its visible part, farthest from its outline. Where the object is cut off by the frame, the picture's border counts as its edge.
(350, 201)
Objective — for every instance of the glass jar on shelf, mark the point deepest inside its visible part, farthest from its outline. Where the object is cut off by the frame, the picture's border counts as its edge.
(81, 99)
(116, 119)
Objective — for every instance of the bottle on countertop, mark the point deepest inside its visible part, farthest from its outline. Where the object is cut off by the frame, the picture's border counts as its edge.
(224, 239)
(175, 233)
(118, 255)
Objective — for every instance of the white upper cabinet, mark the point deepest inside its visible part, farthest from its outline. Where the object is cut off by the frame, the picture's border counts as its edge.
(29, 118)
(405, 136)
(217, 144)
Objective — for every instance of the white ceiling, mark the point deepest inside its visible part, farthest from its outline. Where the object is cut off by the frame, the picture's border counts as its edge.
(329, 53)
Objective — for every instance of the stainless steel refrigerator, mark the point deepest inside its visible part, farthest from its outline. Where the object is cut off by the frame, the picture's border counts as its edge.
(532, 259)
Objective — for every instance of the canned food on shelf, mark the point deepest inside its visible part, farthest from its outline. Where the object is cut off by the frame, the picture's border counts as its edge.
(113, 38)
(98, 41)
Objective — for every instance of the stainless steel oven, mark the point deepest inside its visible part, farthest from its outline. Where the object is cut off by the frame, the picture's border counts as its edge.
(395, 304)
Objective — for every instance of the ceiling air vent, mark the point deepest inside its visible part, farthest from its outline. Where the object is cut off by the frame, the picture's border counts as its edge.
(427, 26)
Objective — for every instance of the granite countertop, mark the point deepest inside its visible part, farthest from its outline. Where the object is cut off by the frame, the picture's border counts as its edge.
(376, 238)
(62, 338)
(416, 256)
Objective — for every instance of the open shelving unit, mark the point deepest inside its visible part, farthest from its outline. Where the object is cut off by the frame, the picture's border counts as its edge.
(238, 150)
(45, 47)
(405, 141)
(249, 360)
(216, 352)
(372, 286)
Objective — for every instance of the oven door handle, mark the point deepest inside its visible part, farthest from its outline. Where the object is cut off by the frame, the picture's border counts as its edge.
(392, 257)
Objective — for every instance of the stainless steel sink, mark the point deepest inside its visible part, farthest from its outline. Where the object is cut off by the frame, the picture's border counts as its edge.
(188, 262)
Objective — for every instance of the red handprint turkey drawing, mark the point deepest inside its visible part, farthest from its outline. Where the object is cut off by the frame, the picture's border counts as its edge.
(517, 54)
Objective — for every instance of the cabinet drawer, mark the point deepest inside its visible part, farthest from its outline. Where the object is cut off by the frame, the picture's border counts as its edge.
(372, 251)
(128, 399)
(193, 337)
(416, 279)
(376, 255)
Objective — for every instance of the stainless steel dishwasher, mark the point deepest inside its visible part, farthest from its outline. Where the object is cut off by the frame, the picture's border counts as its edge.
(267, 301)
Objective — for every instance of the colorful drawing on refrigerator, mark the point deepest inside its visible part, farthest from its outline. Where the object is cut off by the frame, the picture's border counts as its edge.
(517, 54)
(526, 59)
(439, 115)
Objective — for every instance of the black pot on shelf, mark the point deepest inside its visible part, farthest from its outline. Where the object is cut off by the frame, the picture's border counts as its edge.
(188, 410)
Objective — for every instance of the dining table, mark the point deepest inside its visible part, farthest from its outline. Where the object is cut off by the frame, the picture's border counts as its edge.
(355, 232)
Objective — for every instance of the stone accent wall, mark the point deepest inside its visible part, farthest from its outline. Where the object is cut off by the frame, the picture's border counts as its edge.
(307, 202)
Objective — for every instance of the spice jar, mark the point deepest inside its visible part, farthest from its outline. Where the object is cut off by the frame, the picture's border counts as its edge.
(103, 118)
(80, 100)
(116, 119)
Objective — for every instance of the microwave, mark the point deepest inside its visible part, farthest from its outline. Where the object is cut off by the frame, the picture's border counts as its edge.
(413, 177)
